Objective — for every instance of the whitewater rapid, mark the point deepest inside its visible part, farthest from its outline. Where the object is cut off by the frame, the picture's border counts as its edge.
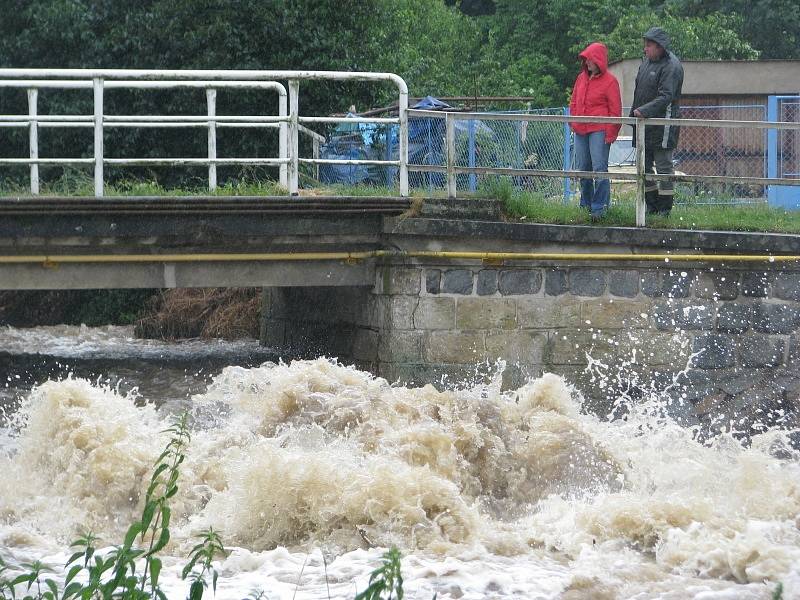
(310, 470)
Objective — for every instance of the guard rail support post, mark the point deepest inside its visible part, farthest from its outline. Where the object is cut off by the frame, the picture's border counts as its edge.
(98, 136)
(402, 112)
(567, 163)
(450, 136)
(294, 91)
(33, 137)
(211, 101)
(640, 175)
(315, 155)
(283, 142)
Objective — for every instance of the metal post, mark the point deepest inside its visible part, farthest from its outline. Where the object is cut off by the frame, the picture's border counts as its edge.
(389, 172)
(33, 96)
(772, 150)
(294, 91)
(283, 143)
(640, 181)
(450, 138)
(211, 101)
(473, 180)
(429, 157)
(98, 136)
(315, 154)
(567, 157)
(402, 108)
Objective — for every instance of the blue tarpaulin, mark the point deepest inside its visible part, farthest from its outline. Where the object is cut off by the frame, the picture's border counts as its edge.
(373, 141)
(431, 103)
(359, 141)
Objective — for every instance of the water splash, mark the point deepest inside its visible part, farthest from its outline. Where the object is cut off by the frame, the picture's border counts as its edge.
(316, 454)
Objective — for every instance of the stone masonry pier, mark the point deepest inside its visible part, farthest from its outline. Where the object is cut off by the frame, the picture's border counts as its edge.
(722, 339)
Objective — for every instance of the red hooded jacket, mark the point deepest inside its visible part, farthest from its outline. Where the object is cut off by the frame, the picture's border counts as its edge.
(597, 95)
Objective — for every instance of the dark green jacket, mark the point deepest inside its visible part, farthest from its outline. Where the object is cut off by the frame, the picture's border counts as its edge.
(658, 94)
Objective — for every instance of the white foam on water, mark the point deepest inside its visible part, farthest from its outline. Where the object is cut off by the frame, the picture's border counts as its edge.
(115, 341)
(487, 494)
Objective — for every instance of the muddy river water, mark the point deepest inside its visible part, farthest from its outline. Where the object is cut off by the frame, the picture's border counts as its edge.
(310, 470)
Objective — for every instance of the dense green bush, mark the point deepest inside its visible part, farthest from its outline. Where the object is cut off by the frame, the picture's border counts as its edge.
(72, 307)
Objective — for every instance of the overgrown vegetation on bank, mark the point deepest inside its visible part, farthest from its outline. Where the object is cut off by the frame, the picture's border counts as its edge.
(27, 308)
(228, 313)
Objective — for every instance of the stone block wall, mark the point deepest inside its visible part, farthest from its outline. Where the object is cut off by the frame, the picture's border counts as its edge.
(722, 342)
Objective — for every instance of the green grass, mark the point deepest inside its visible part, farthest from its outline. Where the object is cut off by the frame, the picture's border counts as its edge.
(688, 213)
(534, 208)
(386, 581)
(78, 183)
(340, 189)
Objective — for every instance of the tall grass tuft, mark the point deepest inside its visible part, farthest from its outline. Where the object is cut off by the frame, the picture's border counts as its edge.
(500, 188)
(385, 579)
(202, 556)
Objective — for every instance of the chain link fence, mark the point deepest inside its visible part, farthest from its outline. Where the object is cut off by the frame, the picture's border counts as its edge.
(491, 143)
(494, 143)
(722, 152)
(788, 155)
(484, 142)
(353, 141)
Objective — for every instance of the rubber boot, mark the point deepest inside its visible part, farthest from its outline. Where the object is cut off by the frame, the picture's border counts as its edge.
(651, 201)
(664, 204)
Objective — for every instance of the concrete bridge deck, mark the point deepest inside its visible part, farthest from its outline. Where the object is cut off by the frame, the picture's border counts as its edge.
(127, 242)
(223, 241)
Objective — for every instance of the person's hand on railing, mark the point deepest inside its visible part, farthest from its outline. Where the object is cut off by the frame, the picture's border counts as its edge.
(638, 113)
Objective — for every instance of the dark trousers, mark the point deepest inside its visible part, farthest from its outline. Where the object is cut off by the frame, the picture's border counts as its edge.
(658, 195)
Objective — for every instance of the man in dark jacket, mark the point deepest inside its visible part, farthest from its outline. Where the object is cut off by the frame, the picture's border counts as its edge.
(657, 95)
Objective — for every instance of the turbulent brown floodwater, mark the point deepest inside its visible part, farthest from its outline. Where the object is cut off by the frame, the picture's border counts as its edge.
(310, 470)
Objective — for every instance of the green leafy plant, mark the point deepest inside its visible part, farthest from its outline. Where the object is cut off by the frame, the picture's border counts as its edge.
(202, 556)
(154, 525)
(6, 589)
(778, 593)
(114, 575)
(33, 578)
(386, 579)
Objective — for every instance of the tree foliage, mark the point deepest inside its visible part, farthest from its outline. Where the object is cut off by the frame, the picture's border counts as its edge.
(554, 32)
(441, 47)
(770, 26)
(712, 37)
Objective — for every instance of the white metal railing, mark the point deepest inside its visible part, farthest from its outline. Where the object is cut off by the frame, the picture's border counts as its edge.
(450, 169)
(288, 120)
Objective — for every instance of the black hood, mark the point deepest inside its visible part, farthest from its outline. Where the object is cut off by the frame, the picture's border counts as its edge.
(659, 36)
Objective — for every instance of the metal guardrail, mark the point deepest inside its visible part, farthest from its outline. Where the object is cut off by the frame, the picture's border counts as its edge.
(288, 120)
(290, 125)
(451, 169)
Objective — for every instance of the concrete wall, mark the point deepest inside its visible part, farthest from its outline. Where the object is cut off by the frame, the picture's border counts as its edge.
(702, 77)
(732, 332)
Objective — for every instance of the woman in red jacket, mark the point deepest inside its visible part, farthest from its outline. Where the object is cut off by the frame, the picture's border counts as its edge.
(596, 93)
